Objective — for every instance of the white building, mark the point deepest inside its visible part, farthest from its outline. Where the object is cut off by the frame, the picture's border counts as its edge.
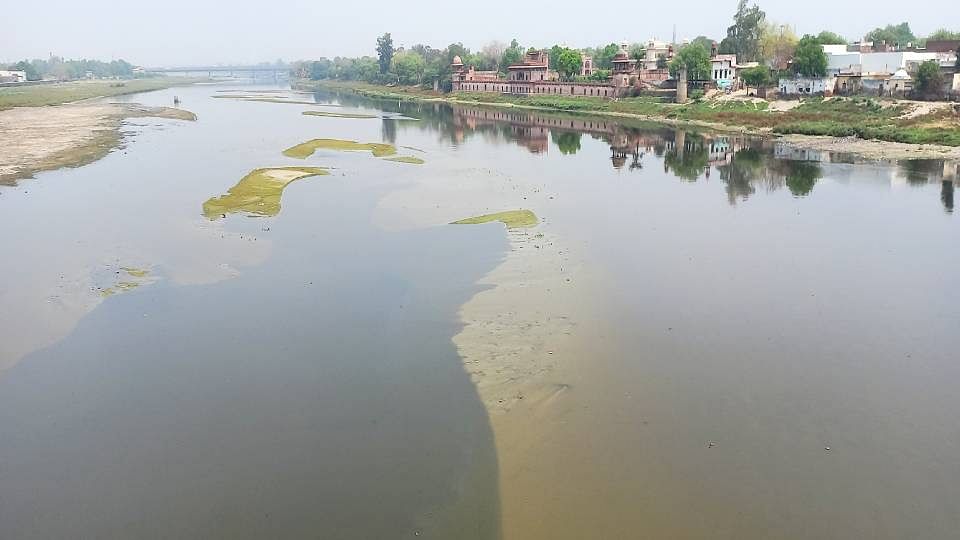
(807, 86)
(654, 50)
(839, 60)
(13, 76)
(723, 69)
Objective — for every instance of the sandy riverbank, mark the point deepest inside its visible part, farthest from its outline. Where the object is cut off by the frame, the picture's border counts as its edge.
(39, 139)
(874, 150)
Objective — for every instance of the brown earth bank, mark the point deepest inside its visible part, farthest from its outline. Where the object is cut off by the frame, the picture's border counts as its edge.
(39, 139)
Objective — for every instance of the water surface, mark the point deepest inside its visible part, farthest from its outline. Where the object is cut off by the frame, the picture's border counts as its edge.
(768, 349)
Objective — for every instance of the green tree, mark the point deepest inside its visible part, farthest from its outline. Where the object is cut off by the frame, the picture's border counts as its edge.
(743, 37)
(756, 77)
(320, 69)
(943, 35)
(703, 41)
(809, 59)
(829, 38)
(30, 69)
(409, 67)
(513, 55)
(568, 63)
(929, 79)
(385, 51)
(695, 58)
(638, 52)
(777, 44)
(662, 62)
(603, 57)
(894, 35)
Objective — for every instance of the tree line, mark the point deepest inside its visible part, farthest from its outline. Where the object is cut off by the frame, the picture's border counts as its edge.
(752, 37)
(58, 68)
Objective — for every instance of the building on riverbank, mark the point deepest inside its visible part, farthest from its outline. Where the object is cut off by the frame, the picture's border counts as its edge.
(7, 76)
(531, 76)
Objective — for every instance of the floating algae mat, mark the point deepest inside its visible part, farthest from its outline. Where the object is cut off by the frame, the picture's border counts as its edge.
(337, 115)
(258, 193)
(126, 279)
(406, 159)
(513, 219)
(305, 150)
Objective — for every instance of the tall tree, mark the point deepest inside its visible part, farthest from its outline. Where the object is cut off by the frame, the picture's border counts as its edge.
(777, 44)
(385, 51)
(569, 63)
(703, 41)
(930, 79)
(809, 59)
(743, 37)
(830, 38)
(695, 58)
(513, 54)
(603, 56)
(894, 35)
(320, 69)
(409, 67)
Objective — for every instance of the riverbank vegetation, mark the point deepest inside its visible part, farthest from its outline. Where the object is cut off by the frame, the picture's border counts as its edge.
(68, 92)
(866, 118)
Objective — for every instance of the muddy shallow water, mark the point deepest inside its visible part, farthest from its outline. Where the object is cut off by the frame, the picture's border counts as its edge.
(702, 336)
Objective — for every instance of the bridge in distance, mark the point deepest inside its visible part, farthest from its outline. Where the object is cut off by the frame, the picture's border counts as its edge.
(246, 72)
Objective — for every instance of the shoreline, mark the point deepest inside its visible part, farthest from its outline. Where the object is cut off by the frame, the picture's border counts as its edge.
(870, 149)
(53, 137)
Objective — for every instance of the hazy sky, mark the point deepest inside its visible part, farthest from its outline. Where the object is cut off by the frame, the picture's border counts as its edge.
(180, 32)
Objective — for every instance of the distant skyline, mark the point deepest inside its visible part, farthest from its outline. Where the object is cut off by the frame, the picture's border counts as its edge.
(178, 32)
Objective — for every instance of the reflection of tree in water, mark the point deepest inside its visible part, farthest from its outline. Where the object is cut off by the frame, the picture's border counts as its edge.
(567, 141)
(388, 130)
(801, 176)
(919, 172)
(689, 158)
(946, 195)
(744, 168)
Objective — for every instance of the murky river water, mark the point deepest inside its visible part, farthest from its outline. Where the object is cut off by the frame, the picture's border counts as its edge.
(758, 342)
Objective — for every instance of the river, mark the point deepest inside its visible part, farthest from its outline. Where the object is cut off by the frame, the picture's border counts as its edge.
(704, 335)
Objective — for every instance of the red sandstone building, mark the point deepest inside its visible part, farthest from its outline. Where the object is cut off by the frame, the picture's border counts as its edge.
(534, 76)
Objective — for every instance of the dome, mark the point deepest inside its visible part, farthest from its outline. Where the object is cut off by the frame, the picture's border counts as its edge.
(900, 75)
(622, 55)
(457, 60)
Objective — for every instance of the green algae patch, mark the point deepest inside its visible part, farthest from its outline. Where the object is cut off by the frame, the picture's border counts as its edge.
(135, 277)
(406, 159)
(513, 219)
(337, 115)
(135, 272)
(258, 193)
(305, 150)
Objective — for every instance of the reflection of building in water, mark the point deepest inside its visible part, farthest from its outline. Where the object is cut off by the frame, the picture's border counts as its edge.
(745, 165)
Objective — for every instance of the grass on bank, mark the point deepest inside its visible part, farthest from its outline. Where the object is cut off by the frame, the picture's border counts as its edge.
(865, 118)
(59, 93)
